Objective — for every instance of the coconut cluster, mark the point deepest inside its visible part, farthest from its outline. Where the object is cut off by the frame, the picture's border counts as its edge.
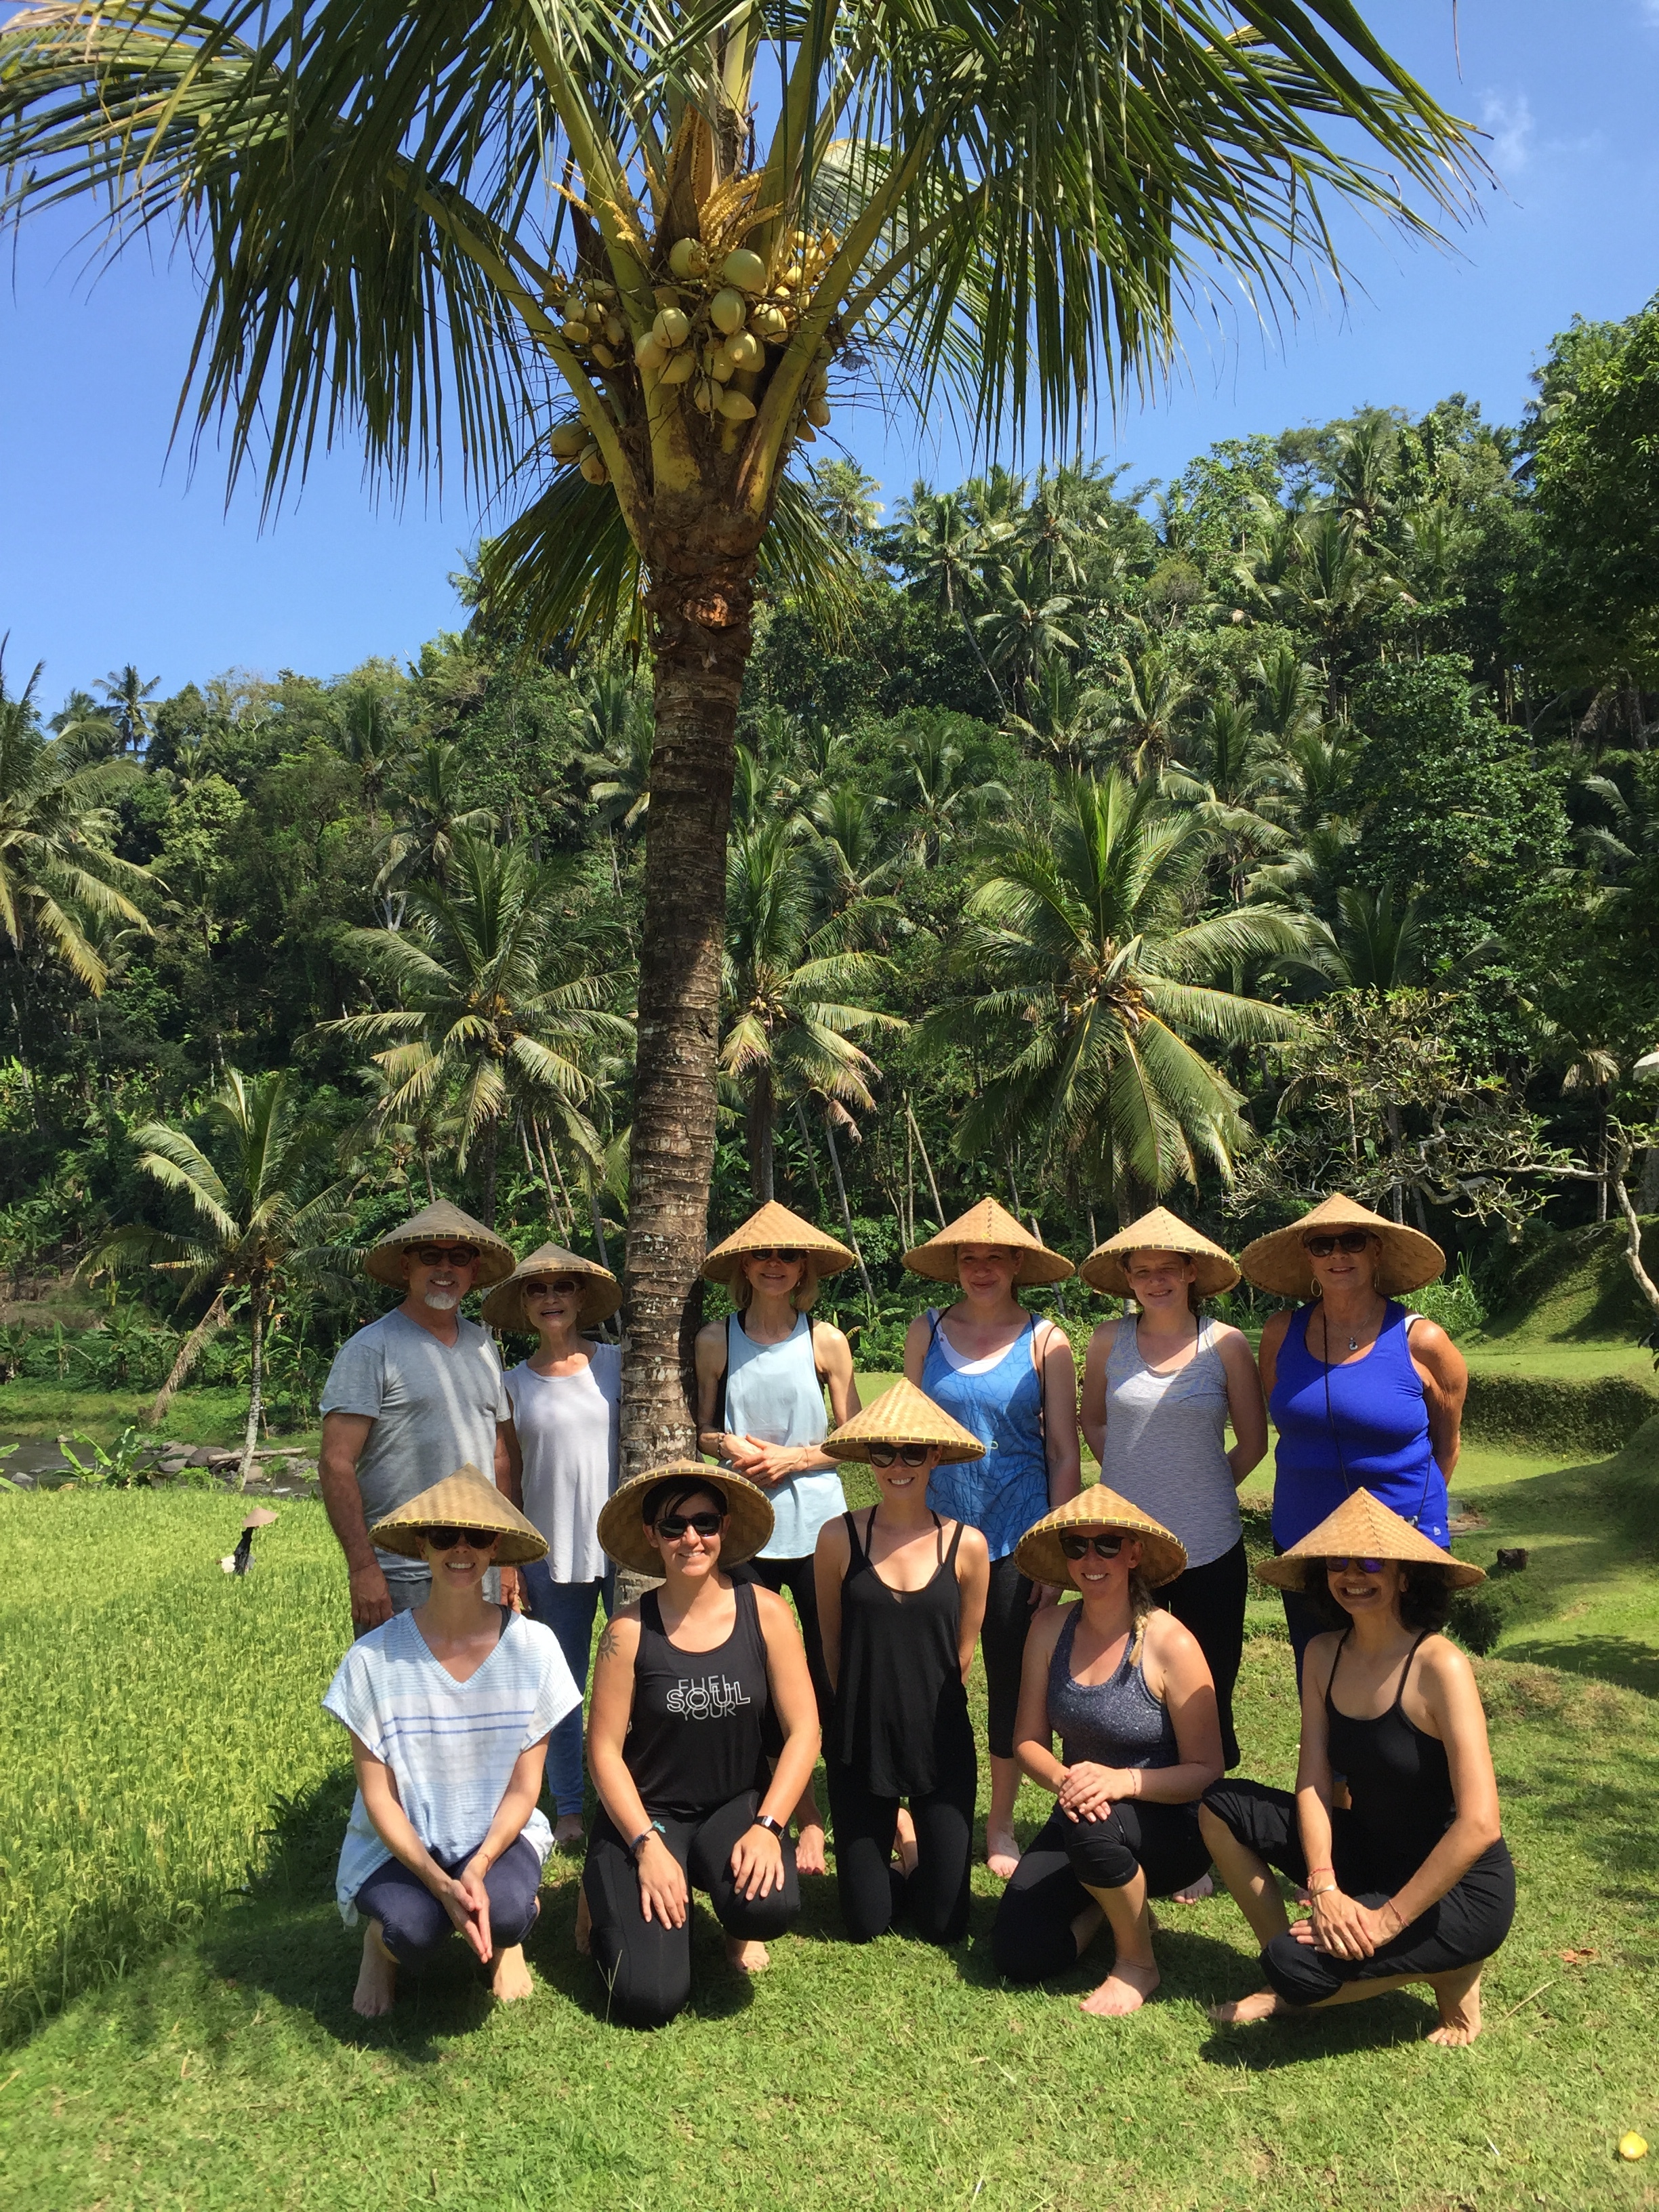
(716, 316)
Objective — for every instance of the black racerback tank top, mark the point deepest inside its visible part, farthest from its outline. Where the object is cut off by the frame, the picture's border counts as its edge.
(1398, 1781)
(694, 1735)
(901, 1720)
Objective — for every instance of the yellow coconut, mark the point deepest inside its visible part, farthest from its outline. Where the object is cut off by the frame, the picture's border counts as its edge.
(681, 368)
(569, 439)
(745, 269)
(672, 327)
(743, 351)
(649, 352)
(727, 310)
(793, 277)
(615, 330)
(818, 413)
(603, 354)
(806, 434)
(704, 395)
(574, 332)
(596, 314)
(737, 406)
(769, 323)
(689, 258)
(593, 468)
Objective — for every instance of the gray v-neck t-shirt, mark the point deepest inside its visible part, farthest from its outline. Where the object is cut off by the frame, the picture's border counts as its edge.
(435, 1406)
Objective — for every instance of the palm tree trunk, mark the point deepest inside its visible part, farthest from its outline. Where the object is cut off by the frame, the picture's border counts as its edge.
(846, 1210)
(491, 1143)
(811, 1156)
(939, 1210)
(189, 1351)
(759, 1119)
(565, 1222)
(256, 1306)
(703, 642)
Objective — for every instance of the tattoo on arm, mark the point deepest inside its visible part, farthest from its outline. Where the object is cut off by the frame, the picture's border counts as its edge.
(608, 1642)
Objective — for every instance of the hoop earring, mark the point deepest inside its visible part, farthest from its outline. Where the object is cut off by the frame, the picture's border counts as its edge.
(1318, 1289)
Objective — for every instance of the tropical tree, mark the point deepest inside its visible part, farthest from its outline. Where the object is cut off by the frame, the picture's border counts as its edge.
(942, 787)
(485, 1014)
(265, 1211)
(126, 704)
(431, 817)
(1151, 690)
(796, 995)
(420, 224)
(1026, 625)
(844, 497)
(1089, 979)
(1066, 719)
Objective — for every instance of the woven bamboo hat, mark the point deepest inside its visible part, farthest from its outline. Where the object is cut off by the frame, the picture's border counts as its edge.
(601, 1292)
(1406, 1260)
(904, 1415)
(466, 1499)
(1038, 1555)
(1362, 1528)
(771, 1228)
(1160, 1230)
(986, 1223)
(441, 1223)
(621, 1523)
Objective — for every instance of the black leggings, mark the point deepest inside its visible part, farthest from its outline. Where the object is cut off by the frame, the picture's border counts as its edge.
(872, 1891)
(1002, 1640)
(1467, 1924)
(646, 1966)
(796, 1577)
(1209, 1601)
(1032, 1938)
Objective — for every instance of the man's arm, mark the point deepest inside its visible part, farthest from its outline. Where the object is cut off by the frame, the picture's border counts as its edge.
(344, 1436)
(509, 1481)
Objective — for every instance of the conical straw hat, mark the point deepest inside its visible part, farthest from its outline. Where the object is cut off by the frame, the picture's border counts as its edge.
(986, 1223)
(621, 1523)
(445, 1223)
(1038, 1555)
(466, 1499)
(601, 1294)
(1160, 1230)
(1406, 1260)
(1362, 1528)
(904, 1415)
(772, 1227)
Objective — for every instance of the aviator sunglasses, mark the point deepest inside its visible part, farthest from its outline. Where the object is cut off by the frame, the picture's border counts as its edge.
(1103, 1547)
(673, 1526)
(907, 1454)
(552, 1286)
(1352, 1241)
(1364, 1566)
(446, 1539)
(434, 1255)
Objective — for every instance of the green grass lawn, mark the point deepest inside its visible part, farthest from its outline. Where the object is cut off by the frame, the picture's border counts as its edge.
(177, 1985)
(31, 1408)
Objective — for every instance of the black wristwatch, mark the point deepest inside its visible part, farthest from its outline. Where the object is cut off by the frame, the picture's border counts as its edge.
(772, 1827)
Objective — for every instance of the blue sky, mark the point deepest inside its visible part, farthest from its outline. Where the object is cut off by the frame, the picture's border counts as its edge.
(110, 551)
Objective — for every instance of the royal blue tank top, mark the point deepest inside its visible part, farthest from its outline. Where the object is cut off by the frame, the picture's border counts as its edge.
(1365, 1426)
(1002, 1494)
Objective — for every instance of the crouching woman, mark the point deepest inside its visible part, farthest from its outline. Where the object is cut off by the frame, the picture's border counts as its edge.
(1411, 1881)
(683, 1685)
(1127, 1690)
(449, 1708)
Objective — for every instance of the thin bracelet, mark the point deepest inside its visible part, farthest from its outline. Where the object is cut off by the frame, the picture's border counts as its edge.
(1324, 1889)
(644, 1837)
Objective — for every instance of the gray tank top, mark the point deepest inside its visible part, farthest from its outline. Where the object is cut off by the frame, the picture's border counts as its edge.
(1166, 1443)
(1117, 1723)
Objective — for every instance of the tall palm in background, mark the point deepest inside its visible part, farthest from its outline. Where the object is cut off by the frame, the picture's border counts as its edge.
(430, 819)
(421, 222)
(126, 704)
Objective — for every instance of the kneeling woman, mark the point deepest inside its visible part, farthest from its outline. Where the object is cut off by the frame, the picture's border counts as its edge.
(1128, 1690)
(683, 1686)
(449, 1709)
(901, 1596)
(1414, 1883)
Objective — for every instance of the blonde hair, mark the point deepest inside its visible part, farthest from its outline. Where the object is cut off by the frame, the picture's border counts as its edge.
(1142, 1606)
(803, 1297)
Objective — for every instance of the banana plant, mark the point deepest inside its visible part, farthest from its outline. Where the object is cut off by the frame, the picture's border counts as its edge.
(640, 250)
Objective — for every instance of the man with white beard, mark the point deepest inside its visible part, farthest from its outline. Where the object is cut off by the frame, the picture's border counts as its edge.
(412, 1398)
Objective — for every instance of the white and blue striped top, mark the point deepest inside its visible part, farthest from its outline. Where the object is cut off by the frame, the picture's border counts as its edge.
(451, 1746)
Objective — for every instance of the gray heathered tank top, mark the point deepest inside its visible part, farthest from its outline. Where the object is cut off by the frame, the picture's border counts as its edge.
(1117, 1723)
(1166, 1443)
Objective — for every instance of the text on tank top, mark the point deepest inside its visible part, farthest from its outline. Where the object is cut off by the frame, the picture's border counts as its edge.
(693, 1736)
(1165, 1446)
(900, 1711)
(1116, 1723)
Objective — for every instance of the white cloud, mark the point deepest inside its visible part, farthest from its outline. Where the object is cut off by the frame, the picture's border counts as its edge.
(1507, 117)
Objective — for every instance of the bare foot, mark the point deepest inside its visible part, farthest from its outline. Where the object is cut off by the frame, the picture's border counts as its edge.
(1196, 1892)
(747, 1958)
(511, 1978)
(1001, 1852)
(584, 1927)
(809, 1849)
(1125, 1989)
(1242, 2012)
(907, 1852)
(377, 1977)
(1460, 2017)
(567, 1832)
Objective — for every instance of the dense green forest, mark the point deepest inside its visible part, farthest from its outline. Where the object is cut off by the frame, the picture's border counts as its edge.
(1290, 825)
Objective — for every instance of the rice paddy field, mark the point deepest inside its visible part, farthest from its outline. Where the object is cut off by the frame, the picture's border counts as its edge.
(175, 1986)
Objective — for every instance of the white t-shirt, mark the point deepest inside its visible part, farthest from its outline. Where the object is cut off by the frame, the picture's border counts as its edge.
(451, 1745)
(569, 1435)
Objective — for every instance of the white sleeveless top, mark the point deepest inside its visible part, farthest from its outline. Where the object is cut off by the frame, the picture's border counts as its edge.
(1166, 1443)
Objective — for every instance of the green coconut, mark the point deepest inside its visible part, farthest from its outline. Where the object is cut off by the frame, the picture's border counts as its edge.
(672, 326)
(745, 269)
(687, 258)
(727, 310)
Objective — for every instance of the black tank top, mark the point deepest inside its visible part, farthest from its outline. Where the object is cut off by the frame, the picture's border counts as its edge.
(1399, 1780)
(901, 1720)
(693, 1736)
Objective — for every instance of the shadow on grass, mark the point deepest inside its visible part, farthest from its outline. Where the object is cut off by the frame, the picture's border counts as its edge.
(1369, 2024)
(1621, 1659)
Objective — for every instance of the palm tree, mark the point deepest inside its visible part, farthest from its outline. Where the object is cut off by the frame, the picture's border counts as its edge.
(262, 1214)
(483, 1010)
(854, 847)
(57, 832)
(414, 223)
(844, 497)
(1377, 945)
(126, 704)
(941, 789)
(794, 995)
(430, 820)
(1151, 695)
(1066, 719)
(1090, 978)
(1025, 623)
(944, 546)
(371, 741)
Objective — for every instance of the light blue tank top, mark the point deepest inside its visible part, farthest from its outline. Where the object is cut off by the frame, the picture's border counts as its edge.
(772, 1392)
(1002, 1494)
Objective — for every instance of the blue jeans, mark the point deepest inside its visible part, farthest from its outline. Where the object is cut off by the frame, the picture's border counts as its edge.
(568, 1608)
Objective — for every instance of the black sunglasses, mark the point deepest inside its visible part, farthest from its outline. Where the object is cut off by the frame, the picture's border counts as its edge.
(434, 1255)
(1352, 1241)
(1365, 1566)
(911, 1455)
(446, 1539)
(1103, 1547)
(674, 1525)
(558, 1287)
(773, 1252)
